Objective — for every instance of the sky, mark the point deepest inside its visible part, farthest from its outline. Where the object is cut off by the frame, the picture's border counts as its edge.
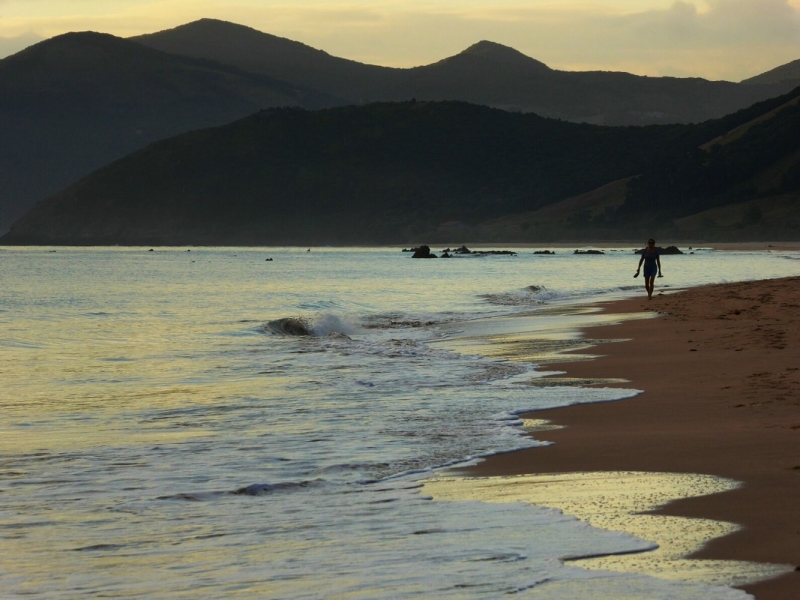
(715, 39)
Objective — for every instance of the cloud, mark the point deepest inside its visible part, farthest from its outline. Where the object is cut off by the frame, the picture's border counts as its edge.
(733, 23)
(754, 19)
(729, 39)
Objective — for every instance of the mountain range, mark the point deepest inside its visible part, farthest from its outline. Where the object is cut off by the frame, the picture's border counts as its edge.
(486, 73)
(76, 102)
(436, 171)
(73, 103)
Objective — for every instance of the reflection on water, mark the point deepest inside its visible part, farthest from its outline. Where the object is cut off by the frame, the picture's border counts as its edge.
(616, 501)
(158, 438)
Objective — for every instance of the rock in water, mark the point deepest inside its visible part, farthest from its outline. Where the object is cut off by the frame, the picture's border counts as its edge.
(423, 252)
(663, 251)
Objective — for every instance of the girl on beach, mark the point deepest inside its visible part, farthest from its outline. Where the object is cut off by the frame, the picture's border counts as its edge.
(652, 265)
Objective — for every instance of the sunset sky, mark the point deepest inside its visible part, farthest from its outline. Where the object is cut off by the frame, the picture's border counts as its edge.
(716, 39)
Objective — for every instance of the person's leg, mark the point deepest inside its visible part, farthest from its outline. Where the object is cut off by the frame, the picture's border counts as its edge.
(649, 284)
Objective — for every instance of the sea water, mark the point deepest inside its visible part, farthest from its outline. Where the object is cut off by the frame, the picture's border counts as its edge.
(209, 423)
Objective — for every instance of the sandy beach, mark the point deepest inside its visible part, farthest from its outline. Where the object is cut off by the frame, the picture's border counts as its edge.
(720, 372)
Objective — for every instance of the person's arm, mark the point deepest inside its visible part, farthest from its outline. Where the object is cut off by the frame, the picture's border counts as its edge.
(641, 260)
(658, 262)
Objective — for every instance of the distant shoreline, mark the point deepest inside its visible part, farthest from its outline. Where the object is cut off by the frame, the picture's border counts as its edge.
(742, 246)
(624, 244)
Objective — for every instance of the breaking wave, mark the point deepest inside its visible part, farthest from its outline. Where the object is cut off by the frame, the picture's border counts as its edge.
(322, 325)
(261, 489)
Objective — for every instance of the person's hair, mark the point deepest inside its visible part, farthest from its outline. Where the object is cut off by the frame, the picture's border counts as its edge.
(651, 240)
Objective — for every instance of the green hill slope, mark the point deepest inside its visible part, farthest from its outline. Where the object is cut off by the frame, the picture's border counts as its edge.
(378, 173)
(732, 179)
(427, 171)
(758, 158)
(396, 172)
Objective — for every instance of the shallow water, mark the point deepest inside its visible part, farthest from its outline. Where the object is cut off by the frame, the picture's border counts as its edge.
(166, 432)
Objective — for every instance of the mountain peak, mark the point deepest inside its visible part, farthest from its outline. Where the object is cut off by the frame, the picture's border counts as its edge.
(72, 39)
(505, 54)
(215, 26)
(206, 33)
(78, 50)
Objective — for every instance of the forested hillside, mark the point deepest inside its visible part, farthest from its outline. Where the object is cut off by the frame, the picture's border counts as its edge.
(76, 102)
(398, 172)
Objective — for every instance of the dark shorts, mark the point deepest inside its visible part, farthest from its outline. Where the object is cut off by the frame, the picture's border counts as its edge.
(651, 271)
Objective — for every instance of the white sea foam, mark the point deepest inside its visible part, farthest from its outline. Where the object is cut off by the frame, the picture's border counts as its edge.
(327, 323)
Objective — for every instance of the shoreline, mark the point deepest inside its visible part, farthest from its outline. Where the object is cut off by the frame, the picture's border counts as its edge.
(690, 245)
(765, 246)
(721, 380)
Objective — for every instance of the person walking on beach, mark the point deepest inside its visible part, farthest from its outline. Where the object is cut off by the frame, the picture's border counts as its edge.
(652, 265)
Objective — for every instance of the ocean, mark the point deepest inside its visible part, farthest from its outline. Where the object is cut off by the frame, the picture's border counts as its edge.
(210, 423)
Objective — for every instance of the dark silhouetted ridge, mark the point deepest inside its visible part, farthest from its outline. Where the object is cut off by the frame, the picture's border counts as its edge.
(401, 172)
(267, 54)
(486, 73)
(227, 42)
(790, 72)
(503, 55)
(73, 103)
(372, 174)
(78, 51)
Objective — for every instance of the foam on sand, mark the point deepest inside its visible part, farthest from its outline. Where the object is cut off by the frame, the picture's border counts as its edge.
(617, 501)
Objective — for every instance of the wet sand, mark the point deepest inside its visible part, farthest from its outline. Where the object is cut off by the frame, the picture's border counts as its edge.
(720, 370)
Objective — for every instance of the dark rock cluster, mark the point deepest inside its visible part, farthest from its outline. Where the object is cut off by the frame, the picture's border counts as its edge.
(663, 251)
(425, 252)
